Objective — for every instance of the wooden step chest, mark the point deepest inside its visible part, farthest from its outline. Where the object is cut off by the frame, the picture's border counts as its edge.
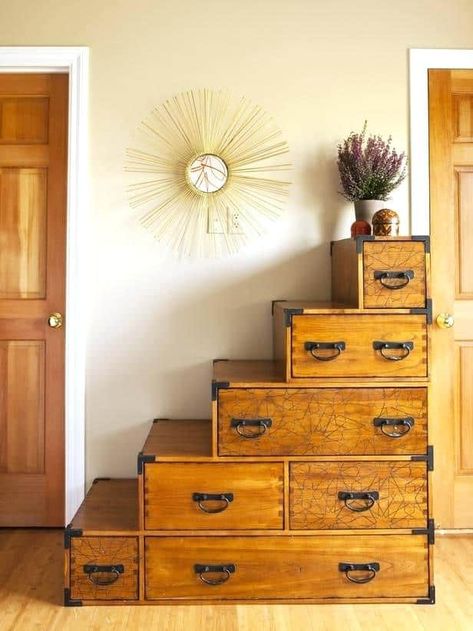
(311, 482)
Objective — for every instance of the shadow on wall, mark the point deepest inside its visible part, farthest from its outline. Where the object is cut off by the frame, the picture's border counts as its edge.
(166, 371)
(164, 368)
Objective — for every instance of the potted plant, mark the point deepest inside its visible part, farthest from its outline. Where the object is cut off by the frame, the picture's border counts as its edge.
(370, 169)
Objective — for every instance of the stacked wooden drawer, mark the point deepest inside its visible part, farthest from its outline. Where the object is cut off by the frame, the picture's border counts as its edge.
(311, 482)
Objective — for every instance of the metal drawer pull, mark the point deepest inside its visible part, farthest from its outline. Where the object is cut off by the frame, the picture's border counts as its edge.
(404, 276)
(94, 573)
(351, 500)
(226, 498)
(400, 426)
(223, 570)
(312, 347)
(261, 423)
(382, 347)
(369, 571)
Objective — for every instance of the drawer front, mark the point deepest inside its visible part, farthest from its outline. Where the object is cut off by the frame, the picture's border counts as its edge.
(322, 421)
(285, 567)
(343, 495)
(394, 274)
(104, 568)
(357, 335)
(243, 496)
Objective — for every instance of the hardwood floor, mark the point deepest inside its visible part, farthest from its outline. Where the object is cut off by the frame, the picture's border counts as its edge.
(31, 588)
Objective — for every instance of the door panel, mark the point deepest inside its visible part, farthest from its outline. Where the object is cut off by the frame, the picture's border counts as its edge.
(33, 169)
(22, 406)
(24, 119)
(451, 195)
(23, 233)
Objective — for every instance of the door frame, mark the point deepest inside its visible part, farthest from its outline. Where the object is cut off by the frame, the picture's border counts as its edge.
(75, 61)
(420, 61)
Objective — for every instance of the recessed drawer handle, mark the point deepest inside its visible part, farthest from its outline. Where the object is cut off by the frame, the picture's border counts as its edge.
(200, 498)
(382, 347)
(368, 571)
(352, 500)
(261, 423)
(224, 570)
(95, 574)
(400, 426)
(404, 276)
(313, 347)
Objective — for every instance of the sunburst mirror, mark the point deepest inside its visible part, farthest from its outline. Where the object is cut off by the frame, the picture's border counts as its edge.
(209, 172)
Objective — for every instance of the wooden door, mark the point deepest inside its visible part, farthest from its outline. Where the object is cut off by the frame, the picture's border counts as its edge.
(451, 190)
(33, 168)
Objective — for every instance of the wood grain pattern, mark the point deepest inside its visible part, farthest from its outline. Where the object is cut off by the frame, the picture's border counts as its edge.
(187, 439)
(394, 256)
(451, 164)
(463, 117)
(23, 203)
(33, 193)
(257, 491)
(290, 567)
(359, 359)
(314, 488)
(22, 404)
(110, 505)
(24, 120)
(322, 421)
(32, 597)
(464, 394)
(104, 551)
(464, 231)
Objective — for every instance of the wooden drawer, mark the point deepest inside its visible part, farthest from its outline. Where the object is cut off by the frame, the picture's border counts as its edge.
(343, 495)
(321, 421)
(104, 568)
(286, 567)
(175, 493)
(360, 337)
(380, 273)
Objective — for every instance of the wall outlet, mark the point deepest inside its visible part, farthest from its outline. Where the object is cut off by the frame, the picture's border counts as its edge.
(233, 219)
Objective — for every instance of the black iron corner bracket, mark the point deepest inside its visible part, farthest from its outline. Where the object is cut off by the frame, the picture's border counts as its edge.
(429, 531)
(428, 458)
(216, 385)
(70, 532)
(430, 600)
(288, 313)
(424, 311)
(143, 459)
(68, 602)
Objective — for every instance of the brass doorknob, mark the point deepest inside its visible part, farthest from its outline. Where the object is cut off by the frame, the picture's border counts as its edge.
(445, 320)
(55, 320)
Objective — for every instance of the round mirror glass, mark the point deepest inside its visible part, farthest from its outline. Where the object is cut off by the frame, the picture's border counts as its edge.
(208, 173)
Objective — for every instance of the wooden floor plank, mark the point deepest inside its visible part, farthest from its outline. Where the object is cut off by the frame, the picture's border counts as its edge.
(31, 592)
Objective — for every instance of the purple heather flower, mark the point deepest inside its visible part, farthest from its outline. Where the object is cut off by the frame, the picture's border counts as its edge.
(369, 167)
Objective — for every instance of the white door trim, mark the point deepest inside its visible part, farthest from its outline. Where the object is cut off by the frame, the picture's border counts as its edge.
(420, 60)
(75, 61)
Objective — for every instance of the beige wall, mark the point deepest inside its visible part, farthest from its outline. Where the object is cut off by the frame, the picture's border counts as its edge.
(320, 67)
